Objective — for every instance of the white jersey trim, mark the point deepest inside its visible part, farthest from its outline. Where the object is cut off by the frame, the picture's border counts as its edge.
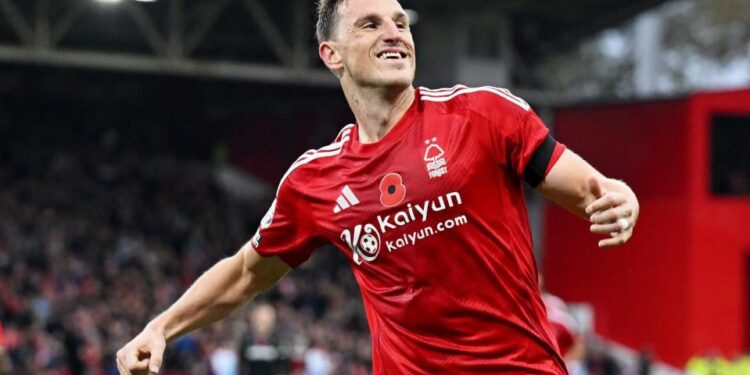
(440, 91)
(446, 94)
(327, 151)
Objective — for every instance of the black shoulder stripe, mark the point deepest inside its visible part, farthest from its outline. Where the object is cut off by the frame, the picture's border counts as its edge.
(535, 170)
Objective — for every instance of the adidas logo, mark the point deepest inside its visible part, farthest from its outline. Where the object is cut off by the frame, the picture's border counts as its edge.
(345, 200)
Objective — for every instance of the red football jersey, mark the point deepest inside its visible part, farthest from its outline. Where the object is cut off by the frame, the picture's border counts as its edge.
(434, 222)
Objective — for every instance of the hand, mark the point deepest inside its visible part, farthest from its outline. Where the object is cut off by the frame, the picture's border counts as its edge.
(142, 355)
(611, 213)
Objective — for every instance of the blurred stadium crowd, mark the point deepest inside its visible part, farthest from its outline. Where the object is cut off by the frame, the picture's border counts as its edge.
(94, 240)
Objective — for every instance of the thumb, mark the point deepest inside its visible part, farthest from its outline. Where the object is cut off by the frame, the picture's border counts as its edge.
(595, 187)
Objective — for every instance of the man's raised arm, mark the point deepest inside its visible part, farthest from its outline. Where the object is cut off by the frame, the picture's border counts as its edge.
(609, 204)
(227, 285)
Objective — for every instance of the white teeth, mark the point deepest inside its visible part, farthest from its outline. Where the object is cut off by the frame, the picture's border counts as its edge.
(388, 55)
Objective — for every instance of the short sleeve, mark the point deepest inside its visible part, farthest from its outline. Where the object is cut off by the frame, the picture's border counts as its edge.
(519, 140)
(287, 230)
(531, 149)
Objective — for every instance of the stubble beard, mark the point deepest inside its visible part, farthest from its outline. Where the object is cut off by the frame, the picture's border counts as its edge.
(383, 79)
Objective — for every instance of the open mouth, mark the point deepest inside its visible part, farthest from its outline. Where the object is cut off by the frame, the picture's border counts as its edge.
(392, 55)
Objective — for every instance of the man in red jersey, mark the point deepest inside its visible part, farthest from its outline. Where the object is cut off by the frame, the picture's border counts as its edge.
(424, 194)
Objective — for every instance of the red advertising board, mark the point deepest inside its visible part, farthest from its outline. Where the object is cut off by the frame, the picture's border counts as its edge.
(680, 287)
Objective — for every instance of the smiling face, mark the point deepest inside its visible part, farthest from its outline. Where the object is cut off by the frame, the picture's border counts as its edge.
(371, 44)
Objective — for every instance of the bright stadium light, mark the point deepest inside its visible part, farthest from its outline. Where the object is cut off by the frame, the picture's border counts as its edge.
(413, 16)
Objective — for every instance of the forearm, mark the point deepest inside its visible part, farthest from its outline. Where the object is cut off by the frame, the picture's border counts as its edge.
(223, 288)
(569, 184)
(214, 295)
(227, 285)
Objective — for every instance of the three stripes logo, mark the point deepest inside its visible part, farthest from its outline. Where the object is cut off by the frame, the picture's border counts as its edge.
(345, 200)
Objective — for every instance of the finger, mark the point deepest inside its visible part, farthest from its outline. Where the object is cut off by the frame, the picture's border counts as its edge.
(595, 187)
(157, 353)
(608, 228)
(607, 201)
(140, 367)
(615, 241)
(612, 215)
(132, 363)
(121, 367)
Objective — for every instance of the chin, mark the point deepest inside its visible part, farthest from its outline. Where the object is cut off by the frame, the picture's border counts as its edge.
(395, 80)
(397, 83)
(383, 79)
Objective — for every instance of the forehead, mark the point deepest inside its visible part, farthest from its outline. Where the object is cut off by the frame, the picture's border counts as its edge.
(350, 10)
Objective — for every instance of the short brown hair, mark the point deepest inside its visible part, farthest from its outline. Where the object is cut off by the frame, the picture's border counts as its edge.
(327, 10)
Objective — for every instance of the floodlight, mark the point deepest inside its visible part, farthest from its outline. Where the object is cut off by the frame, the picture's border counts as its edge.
(413, 16)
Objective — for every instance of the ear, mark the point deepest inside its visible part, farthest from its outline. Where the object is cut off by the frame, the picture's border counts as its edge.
(330, 56)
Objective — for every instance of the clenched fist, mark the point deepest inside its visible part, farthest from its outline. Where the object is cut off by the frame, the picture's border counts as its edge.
(143, 354)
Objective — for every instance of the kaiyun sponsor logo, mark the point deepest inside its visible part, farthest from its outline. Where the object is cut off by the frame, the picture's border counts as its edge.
(364, 240)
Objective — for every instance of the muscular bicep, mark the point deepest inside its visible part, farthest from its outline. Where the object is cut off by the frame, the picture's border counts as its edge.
(261, 271)
(567, 183)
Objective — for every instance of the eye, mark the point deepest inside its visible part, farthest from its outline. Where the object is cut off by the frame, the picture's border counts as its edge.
(370, 25)
(401, 25)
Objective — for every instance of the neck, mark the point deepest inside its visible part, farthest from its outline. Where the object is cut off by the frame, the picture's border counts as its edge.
(378, 109)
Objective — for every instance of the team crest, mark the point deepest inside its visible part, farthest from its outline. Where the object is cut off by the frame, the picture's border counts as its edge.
(434, 157)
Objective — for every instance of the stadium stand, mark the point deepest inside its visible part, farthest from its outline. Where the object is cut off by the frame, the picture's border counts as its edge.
(95, 238)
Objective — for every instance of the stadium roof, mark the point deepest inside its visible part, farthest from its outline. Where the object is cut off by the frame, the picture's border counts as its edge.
(543, 27)
(257, 40)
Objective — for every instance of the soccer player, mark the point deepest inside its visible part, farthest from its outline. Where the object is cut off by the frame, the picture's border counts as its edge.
(424, 194)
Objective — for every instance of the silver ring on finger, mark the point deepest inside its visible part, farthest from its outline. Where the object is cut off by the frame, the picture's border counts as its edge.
(623, 223)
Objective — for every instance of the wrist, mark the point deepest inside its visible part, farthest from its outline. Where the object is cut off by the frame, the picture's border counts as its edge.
(158, 326)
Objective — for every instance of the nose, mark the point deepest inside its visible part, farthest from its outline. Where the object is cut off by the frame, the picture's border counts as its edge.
(392, 32)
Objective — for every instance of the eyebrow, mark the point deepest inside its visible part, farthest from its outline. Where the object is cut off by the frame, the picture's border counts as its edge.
(399, 15)
(367, 18)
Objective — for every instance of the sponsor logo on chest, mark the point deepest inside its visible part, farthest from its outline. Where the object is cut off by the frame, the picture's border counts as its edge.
(366, 240)
(400, 229)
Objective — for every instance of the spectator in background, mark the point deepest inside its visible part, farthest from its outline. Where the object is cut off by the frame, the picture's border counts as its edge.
(601, 362)
(318, 361)
(224, 359)
(645, 362)
(261, 349)
(566, 330)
